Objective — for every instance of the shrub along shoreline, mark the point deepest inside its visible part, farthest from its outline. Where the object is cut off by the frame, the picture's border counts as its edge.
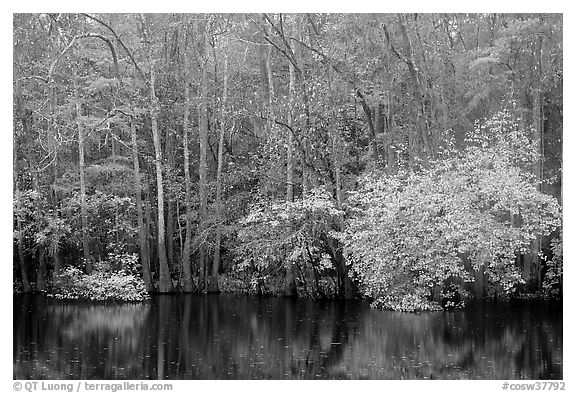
(426, 240)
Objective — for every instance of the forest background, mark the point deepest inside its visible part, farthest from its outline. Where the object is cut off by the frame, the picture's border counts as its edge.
(422, 120)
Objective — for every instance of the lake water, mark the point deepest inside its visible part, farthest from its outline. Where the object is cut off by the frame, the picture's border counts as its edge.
(242, 337)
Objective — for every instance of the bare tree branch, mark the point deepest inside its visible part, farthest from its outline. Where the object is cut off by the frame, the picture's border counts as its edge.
(33, 77)
(289, 56)
(71, 44)
(121, 44)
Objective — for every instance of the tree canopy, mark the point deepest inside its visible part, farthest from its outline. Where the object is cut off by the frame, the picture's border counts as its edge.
(411, 158)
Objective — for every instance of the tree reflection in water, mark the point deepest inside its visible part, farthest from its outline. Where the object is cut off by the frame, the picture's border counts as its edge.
(240, 337)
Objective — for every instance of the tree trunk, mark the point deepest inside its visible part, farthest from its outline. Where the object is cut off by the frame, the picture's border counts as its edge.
(391, 162)
(144, 252)
(26, 288)
(270, 77)
(290, 142)
(337, 169)
(57, 262)
(416, 85)
(380, 128)
(149, 232)
(41, 270)
(83, 208)
(170, 202)
(479, 281)
(533, 272)
(271, 129)
(202, 169)
(430, 103)
(188, 285)
(344, 281)
(290, 283)
(181, 244)
(41, 273)
(20, 112)
(216, 263)
(165, 281)
(170, 230)
(371, 127)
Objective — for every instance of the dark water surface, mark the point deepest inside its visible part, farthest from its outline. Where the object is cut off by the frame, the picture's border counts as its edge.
(240, 337)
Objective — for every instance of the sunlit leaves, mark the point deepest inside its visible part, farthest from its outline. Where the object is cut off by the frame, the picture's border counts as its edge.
(412, 233)
(98, 286)
(277, 234)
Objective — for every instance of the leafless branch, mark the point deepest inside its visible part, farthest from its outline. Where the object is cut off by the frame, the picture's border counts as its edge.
(71, 44)
(33, 77)
(130, 56)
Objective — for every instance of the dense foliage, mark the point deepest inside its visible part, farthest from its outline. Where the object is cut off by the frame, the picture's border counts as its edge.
(116, 279)
(417, 238)
(411, 158)
(552, 284)
(282, 236)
